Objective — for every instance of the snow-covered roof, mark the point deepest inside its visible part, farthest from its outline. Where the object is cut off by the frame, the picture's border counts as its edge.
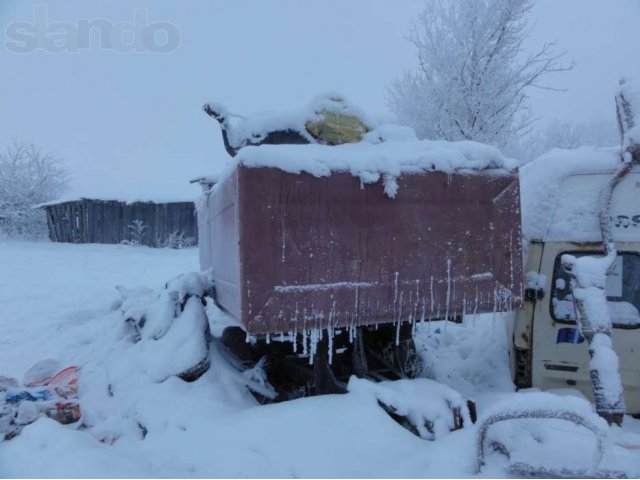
(385, 153)
(560, 196)
(178, 190)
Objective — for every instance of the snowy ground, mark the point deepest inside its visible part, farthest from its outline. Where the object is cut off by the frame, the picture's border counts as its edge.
(55, 302)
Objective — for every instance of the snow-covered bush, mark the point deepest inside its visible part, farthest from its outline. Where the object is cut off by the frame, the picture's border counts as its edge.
(472, 76)
(137, 233)
(28, 177)
(178, 240)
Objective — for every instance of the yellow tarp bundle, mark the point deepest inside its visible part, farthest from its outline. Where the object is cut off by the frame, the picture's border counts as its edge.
(336, 128)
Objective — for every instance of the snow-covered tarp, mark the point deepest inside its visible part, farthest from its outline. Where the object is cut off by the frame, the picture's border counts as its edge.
(560, 196)
(253, 129)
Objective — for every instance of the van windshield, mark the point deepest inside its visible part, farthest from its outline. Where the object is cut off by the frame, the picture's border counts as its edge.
(623, 291)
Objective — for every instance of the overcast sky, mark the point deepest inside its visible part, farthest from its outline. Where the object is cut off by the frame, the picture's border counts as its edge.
(124, 120)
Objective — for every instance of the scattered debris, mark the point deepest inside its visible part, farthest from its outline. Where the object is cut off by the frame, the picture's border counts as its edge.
(41, 373)
(7, 382)
(65, 413)
(45, 393)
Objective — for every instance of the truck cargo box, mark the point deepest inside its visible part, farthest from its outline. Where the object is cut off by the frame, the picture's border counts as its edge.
(293, 252)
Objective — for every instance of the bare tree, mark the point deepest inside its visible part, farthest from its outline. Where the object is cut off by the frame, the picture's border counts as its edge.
(473, 74)
(28, 177)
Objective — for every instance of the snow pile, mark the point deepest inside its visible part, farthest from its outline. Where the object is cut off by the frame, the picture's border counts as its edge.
(135, 426)
(542, 430)
(430, 407)
(536, 281)
(472, 357)
(553, 210)
(170, 328)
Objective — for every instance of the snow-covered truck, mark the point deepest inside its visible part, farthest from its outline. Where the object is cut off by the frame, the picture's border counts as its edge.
(336, 236)
(330, 239)
(561, 194)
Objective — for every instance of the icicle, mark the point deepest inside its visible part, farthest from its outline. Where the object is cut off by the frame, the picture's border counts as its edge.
(284, 240)
(475, 308)
(399, 313)
(432, 300)
(412, 315)
(315, 335)
(464, 306)
(292, 339)
(511, 258)
(305, 336)
(416, 304)
(446, 315)
(495, 306)
(395, 294)
(330, 332)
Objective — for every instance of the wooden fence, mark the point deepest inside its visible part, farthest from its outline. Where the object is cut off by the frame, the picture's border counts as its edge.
(105, 221)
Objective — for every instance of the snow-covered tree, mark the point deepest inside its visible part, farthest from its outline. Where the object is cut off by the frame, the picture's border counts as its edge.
(559, 134)
(28, 176)
(473, 72)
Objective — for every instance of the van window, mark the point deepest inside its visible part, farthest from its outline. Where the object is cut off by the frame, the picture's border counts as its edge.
(623, 291)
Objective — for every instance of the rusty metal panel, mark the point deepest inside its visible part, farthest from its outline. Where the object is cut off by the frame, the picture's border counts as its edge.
(331, 252)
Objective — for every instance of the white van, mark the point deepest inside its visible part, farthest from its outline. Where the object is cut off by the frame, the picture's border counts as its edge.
(560, 194)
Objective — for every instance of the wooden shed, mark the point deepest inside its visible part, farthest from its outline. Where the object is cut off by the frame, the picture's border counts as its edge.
(171, 224)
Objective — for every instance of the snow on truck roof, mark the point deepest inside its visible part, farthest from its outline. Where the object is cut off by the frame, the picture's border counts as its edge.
(372, 159)
(560, 196)
(364, 148)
